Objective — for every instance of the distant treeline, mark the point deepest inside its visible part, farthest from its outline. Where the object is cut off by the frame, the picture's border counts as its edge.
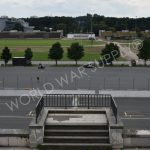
(83, 23)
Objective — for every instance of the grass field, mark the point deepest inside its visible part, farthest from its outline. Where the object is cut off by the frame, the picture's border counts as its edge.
(40, 48)
(44, 42)
(42, 55)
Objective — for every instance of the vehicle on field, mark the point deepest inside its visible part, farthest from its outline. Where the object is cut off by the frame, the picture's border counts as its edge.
(90, 65)
(41, 66)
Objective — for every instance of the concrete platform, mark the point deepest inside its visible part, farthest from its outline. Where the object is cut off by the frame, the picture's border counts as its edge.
(77, 118)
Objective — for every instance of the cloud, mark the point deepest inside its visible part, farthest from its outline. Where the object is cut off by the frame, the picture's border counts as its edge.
(118, 8)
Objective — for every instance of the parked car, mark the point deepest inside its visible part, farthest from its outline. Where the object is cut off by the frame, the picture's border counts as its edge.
(41, 66)
(133, 63)
(90, 65)
(104, 63)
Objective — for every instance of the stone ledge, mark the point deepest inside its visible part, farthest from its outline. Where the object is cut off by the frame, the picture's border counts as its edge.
(14, 133)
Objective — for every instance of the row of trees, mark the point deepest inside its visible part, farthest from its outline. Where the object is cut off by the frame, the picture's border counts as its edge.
(7, 55)
(83, 23)
(111, 52)
(144, 52)
(75, 52)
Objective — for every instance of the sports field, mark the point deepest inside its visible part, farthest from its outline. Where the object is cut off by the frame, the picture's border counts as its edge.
(40, 47)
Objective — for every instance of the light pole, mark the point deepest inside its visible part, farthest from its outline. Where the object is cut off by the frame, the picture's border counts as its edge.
(91, 25)
(91, 30)
(135, 23)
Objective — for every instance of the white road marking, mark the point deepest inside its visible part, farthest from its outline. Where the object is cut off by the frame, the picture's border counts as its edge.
(135, 118)
(126, 114)
(30, 114)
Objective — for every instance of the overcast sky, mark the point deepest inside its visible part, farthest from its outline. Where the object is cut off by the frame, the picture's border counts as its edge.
(117, 8)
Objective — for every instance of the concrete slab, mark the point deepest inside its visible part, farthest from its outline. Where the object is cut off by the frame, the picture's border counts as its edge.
(143, 132)
(36, 92)
(114, 93)
(127, 93)
(77, 118)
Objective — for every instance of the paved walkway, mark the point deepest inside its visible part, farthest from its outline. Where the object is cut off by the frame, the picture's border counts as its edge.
(19, 148)
(127, 93)
(139, 62)
(136, 149)
(53, 62)
(15, 148)
(127, 53)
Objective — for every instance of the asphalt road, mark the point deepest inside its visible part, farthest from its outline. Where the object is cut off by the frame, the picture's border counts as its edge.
(16, 112)
(71, 78)
(134, 112)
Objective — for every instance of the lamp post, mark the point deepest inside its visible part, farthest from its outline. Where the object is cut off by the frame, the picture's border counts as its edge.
(135, 23)
(91, 30)
(91, 24)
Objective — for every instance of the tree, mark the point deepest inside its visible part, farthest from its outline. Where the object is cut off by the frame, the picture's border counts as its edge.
(75, 52)
(18, 27)
(83, 23)
(144, 52)
(56, 52)
(28, 55)
(6, 55)
(110, 53)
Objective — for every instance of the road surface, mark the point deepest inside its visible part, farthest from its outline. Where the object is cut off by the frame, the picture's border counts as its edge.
(134, 112)
(70, 78)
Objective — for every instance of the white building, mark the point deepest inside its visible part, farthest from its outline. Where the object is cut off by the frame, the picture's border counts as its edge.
(2, 24)
(81, 36)
(7, 24)
(26, 26)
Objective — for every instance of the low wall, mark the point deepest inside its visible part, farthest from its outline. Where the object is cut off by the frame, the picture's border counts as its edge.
(25, 35)
(136, 139)
(14, 138)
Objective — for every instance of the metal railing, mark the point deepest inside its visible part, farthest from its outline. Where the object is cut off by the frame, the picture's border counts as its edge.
(76, 100)
(39, 108)
(114, 109)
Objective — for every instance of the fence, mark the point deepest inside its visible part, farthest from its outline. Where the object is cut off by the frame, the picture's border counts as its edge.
(77, 100)
(39, 108)
(114, 83)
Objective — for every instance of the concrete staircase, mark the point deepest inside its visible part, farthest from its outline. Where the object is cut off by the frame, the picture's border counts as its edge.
(76, 136)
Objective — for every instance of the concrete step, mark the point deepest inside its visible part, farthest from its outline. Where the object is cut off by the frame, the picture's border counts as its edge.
(82, 111)
(76, 132)
(75, 139)
(75, 146)
(76, 126)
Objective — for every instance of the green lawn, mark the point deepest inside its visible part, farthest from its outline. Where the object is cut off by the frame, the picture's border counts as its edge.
(43, 56)
(40, 48)
(43, 42)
